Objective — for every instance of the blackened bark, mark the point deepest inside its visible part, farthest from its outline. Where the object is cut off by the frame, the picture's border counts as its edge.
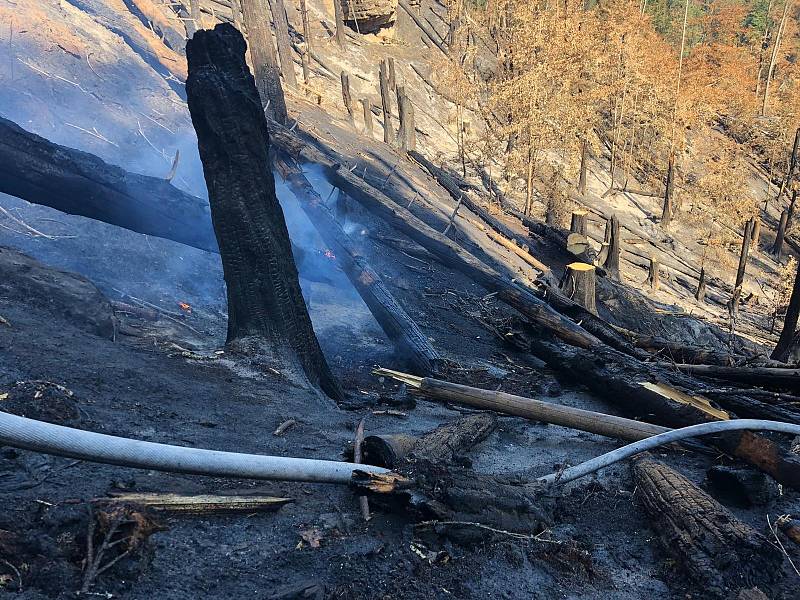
(777, 247)
(386, 103)
(265, 304)
(666, 213)
(785, 342)
(612, 259)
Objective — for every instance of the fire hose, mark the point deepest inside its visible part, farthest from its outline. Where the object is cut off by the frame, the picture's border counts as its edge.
(29, 434)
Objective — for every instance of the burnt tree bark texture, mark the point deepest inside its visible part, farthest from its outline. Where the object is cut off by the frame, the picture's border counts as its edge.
(700, 294)
(579, 284)
(584, 166)
(579, 220)
(265, 63)
(611, 262)
(79, 183)
(407, 133)
(347, 98)
(265, 305)
(366, 105)
(386, 104)
(284, 44)
(719, 552)
(777, 247)
(743, 256)
(653, 275)
(341, 36)
(666, 213)
(788, 335)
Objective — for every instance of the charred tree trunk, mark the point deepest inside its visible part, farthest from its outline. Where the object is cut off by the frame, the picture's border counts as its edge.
(265, 306)
(653, 275)
(392, 74)
(788, 338)
(407, 134)
(79, 183)
(755, 238)
(579, 221)
(193, 23)
(306, 27)
(720, 553)
(584, 167)
(740, 271)
(366, 105)
(284, 44)
(611, 262)
(700, 294)
(347, 98)
(579, 285)
(777, 247)
(666, 213)
(262, 54)
(386, 104)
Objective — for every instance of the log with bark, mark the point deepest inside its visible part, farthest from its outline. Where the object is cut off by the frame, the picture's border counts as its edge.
(579, 285)
(79, 183)
(412, 345)
(720, 553)
(266, 311)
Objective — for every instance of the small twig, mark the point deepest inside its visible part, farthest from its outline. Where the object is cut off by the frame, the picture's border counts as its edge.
(518, 536)
(4, 321)
(146, 139)
(780, 545)
(93, 133)
(30, 229)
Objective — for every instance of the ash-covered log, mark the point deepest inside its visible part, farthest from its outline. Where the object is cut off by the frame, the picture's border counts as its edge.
(266, 311)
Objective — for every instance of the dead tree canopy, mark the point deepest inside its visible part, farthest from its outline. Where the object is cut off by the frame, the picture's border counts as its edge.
(265, 305)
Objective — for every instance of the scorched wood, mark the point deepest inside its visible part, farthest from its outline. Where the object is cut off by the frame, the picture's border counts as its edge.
(266, 310)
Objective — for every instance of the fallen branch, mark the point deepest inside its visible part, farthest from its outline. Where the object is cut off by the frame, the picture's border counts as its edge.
(203, 504)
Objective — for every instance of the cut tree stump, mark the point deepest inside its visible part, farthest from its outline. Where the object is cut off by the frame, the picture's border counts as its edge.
(579, 285)
(720, 553)
(579, 221)
(407, 133)
(366, 105)
(267, 316)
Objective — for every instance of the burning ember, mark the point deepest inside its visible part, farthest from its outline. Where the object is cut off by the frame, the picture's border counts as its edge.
(329, 254)
(185, 307)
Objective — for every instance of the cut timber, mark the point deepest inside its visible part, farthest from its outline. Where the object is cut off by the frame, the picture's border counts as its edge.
(579, 285)
(579, 221)
(78, 183)
(412, 345)
(202, 504)
(266, 310)
(519, 406)
(611, 262)
(653, 276)
(720, 553)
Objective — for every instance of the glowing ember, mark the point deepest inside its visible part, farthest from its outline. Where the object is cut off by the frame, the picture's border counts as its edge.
(185, 307)
(329, 254)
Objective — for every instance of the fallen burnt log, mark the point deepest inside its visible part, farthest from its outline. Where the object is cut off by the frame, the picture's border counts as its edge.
(79, 183)
(399, 327)
(682, 353)
(648, 392)
(720, 553)
(427, 486)
(769, 377)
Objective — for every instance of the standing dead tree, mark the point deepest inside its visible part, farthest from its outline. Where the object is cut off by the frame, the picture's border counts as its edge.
(386, 103)
(341, 36)
(347, 98)
(266, 311)
(743, 256)
(284, 44)
(789, 343)
(262, 54)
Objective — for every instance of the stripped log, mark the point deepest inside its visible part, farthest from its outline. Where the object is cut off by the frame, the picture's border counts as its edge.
(519, 406)
(205, 504)
(720, 553)
(412, 345)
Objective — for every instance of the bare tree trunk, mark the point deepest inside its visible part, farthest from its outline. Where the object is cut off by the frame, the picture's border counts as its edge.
(306, 26)
(774, 57)
(764, 46)
(407, 134)
(284, 43)
(236, 12)
(584, 166)
(366, 104)
(266, 311)
(386, 104)
(700, 295)
(785, 342)
(262, 54)
(743, 256)
(666, 213)
(341, 36)
(347, 98)
(653, 276)
(612, 259)
(777, 247)
(786, 183)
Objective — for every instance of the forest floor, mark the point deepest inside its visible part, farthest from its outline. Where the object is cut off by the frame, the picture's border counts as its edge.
(165, 376)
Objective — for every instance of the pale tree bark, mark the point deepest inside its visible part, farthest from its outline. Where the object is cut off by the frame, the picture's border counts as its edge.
(284, 45)
(774, 57)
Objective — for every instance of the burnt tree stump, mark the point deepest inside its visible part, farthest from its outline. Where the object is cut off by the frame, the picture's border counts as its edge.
(777, 247)
(700, 294)
(733, 305)
(720, 553)
(407, 134)
(579, 285)
(386, 104)
(579, 221)
(266, 311)
(666, 213)
(653, 275)
(347, 98)
(584, 167)
(284, 44)
(366, 105)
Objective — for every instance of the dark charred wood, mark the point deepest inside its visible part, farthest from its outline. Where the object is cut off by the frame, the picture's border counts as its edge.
(787, 343)
(347, 98)
(386, 104)
(682, 353)
(412, 345)
(265, 305)
(79, 183)
(366, 105)
(611, 263)
(769, 377)
(720, 553)
(700, 294)
(407, 133)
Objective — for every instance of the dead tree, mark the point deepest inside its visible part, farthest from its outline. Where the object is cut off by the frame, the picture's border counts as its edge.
(584, 167)
(366, 105)
(306, 26)
(700, 294)
(262, 54)
(341, 35)
(283, 41)
(392, 74)
(611, 262)
(789, 343)
(755, 238)
(266, 311)
(777, 247)
(386, 104)
(653, 276)
(406, 134)
(579, 284)
(720, 553)
(666, 213)
(740, 271)
(347, 99)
